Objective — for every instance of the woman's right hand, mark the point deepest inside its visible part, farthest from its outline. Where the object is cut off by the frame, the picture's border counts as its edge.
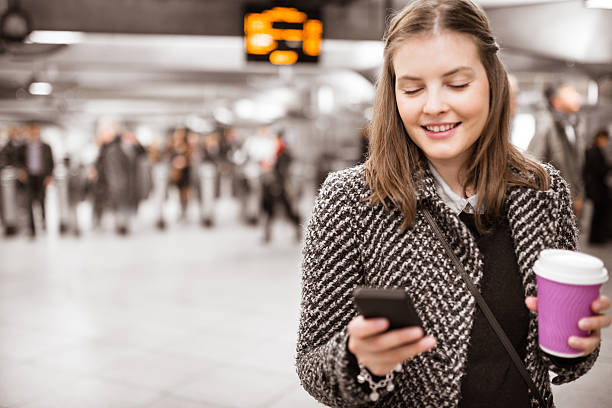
(379, 351)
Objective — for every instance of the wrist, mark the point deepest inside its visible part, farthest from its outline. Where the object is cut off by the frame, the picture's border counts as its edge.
(375, 383)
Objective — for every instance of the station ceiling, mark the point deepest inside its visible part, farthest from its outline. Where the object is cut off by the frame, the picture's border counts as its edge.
(187, 52)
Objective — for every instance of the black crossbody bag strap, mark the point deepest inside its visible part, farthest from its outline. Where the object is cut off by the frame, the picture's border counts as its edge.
(543, 401)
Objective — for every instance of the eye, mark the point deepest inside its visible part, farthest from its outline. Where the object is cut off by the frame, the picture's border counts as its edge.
(411, 91)
(459, 86)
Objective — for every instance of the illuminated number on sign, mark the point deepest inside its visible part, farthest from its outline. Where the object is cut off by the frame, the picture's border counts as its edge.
(282, 35)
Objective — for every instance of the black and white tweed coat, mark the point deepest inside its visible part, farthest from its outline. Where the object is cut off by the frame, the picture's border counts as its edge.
(350, 243)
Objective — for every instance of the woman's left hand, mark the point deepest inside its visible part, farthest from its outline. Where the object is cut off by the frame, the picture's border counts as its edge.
(592, 323)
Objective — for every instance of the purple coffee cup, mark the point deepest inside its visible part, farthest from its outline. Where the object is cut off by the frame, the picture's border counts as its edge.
(568, 283)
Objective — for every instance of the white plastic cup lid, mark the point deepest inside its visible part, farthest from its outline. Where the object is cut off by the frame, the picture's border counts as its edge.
(571, 267)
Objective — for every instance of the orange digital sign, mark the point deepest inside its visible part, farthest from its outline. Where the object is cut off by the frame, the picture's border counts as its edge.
(282, 35)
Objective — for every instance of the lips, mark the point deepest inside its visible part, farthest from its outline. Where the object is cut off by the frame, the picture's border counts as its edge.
(441, 130)
(440, 127)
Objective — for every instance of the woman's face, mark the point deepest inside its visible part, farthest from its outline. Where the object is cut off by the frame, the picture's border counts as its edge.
(442, 94)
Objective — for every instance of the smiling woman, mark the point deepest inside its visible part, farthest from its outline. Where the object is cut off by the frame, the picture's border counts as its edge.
(442, 95)
(440, 170)
(449, 64)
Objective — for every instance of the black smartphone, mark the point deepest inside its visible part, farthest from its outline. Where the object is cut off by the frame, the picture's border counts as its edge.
(393, 304)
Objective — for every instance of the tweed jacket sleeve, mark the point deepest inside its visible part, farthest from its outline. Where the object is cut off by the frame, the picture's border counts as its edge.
(567, 238)
(331, 269)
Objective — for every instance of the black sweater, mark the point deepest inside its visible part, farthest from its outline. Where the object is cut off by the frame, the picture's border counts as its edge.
(492, 379)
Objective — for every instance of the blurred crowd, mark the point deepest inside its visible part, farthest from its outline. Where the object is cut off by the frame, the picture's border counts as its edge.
(191, 167)
(187, 165)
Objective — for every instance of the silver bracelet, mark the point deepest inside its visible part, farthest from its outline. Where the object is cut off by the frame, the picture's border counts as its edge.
(365, 376)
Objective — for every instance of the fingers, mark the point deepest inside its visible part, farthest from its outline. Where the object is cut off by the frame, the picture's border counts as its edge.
(381, 351)
(407, 352)
(371, 336)
(393, 339)
(588, 344)
(600, 304)
(594, 322)
(532, 303)
(381, 363)
(361, 327)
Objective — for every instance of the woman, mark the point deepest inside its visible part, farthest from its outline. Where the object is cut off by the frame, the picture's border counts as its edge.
(439, 142)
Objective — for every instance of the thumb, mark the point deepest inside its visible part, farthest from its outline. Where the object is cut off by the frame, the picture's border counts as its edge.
(532, 303)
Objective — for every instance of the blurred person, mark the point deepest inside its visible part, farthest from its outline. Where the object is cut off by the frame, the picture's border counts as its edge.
(202, 174)
(324, 165)
(558, 140)
(107, 133)
(240, 184)
(518, 132)
(160, 181)
(141, 172)
(440, 160)
(235, 157)
(9, 163)
(37, 166)
(180, 167)
(259, 150)
(117, 166)
(596, 170)
(9, 154)
(364, 144)
(275, 179)
(77, 185)
(225, 165)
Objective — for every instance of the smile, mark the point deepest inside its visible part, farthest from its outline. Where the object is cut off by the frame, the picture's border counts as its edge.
(441, 128)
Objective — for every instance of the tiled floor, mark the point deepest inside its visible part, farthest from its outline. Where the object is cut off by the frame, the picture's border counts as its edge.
(181, 319)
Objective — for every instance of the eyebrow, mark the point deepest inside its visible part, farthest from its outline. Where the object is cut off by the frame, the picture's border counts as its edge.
(446, 74)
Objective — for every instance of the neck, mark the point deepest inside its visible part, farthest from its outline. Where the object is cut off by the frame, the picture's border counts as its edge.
(450, 173)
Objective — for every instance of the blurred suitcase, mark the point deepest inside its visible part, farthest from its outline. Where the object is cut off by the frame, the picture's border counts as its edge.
(8, 179)
(208, 176)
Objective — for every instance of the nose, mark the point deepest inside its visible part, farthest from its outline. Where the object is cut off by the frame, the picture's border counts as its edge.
(434, 103)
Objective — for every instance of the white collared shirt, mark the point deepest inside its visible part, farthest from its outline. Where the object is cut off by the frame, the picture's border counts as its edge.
(454, 201)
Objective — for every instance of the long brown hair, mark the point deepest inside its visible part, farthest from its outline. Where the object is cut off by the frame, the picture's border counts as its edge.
(396, 164)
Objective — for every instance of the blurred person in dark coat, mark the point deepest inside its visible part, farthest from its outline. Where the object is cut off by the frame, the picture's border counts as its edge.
(107, 132)
(9, 154)
(140, 169)
(36, 162)
(558, 139)
(116, 165)
(596, 169)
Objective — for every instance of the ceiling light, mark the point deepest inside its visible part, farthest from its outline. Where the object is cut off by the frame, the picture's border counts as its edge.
(55, 37)
(40, 88)
(602, 4)
(223, 115)
(245, 108)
